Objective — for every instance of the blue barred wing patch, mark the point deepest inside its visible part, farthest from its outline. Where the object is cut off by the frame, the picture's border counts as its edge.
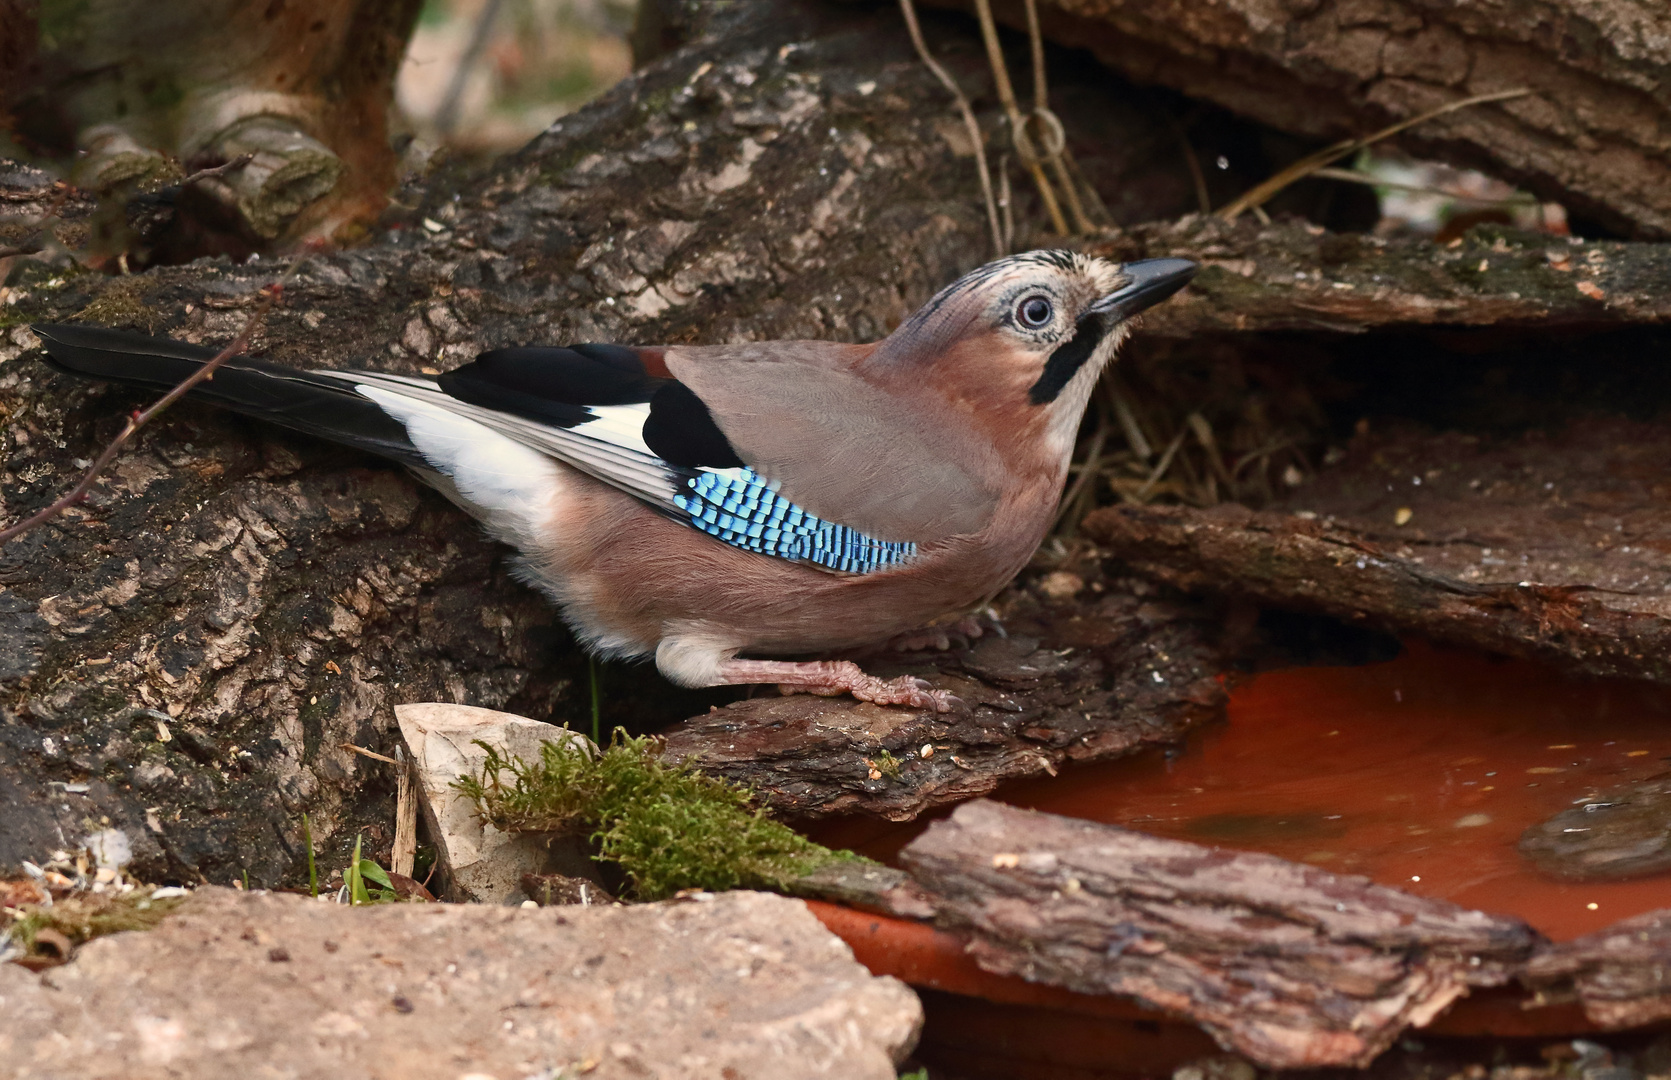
(738, 507)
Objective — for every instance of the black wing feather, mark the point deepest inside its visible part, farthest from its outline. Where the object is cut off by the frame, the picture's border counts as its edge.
(300, 400)
(558, 386)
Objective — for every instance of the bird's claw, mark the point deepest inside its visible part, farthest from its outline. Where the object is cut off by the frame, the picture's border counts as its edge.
(906, 690)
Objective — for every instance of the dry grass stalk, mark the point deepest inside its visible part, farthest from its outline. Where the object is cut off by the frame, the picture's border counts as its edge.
(1307, 166)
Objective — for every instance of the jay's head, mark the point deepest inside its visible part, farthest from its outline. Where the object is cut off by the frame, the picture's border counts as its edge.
(1032, 331)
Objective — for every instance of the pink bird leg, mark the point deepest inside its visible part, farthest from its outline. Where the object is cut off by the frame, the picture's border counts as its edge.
(828, 678)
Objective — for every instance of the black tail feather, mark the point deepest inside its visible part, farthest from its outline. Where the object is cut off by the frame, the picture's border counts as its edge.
(316, 404)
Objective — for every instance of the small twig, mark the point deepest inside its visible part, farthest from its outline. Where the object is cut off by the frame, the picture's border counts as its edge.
(403, 854)
(372, 754)
(909, 10)
(1089, 190)
(1262, 193)
(218, 170)
(1204, 435)
(1133, 430)
(1041, 112)
(1006, 199)
(1203, 200)
(270, 296)
(1162, 465)
(1353, 176)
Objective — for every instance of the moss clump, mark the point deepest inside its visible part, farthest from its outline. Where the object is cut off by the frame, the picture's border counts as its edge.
(885, 764)
(668, 826)
(81, 917)
(121, 303)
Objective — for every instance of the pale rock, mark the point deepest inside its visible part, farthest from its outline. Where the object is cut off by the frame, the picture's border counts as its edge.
(746, 985)
(478, 861)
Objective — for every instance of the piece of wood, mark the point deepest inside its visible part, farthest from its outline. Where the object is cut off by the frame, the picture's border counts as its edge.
(1550, 546)
(1099, 674)
(1294, 276)
(403, 853)
(1285, 963)
(1619, 974)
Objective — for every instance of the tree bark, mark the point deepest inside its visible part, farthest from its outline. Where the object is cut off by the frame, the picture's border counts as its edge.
(1292, 276)
(1551, 545)
(1618, 974)
(1591, 135)
(1285, 963)
(1111, 670)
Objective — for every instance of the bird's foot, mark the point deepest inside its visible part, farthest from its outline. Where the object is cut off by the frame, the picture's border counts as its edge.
(828, 678)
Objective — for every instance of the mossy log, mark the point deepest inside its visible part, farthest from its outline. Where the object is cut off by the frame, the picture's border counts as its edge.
(1296, 277)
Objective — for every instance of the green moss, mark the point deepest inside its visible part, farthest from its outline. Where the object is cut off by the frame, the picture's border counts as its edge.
(668, 826)
(83, 917)
(121, 303)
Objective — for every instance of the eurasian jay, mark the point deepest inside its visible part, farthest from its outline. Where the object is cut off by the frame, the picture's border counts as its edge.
(712, 505)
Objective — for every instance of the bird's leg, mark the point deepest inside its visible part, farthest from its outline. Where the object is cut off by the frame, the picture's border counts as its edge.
(827, 678)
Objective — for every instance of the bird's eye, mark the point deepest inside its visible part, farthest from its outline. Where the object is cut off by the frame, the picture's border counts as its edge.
(1034, 312)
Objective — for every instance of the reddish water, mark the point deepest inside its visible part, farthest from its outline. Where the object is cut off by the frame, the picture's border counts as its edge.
(1420, 773)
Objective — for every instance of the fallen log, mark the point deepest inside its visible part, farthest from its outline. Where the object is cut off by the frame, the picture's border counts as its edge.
(1590, 135)
(1550, 546)
(1097, 677)
(1285, 963)
(1294, 276)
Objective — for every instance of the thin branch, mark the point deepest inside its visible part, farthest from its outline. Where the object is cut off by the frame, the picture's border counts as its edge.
(270, 296)
(909, 10)
(218, 170)
(372, 754)
(1262, 193)
(1353, 176)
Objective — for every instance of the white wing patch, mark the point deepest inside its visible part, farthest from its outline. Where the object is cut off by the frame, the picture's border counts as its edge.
(609, 447)
(511, 483)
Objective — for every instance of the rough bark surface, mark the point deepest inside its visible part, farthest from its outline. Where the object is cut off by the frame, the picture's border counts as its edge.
(1293, 276)
(1619, 974)
(1287, 964)
(1548, 545)
(1592, 134)
(1115, 671)
(745, 984)
(234, 604)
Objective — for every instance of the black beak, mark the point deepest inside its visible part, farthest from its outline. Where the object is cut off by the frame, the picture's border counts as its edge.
(1150, 282)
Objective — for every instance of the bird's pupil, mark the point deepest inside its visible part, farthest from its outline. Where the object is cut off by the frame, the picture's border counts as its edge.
(1035, 312)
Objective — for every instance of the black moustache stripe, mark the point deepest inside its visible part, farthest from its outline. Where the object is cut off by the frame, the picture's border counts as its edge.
(1066, 361)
